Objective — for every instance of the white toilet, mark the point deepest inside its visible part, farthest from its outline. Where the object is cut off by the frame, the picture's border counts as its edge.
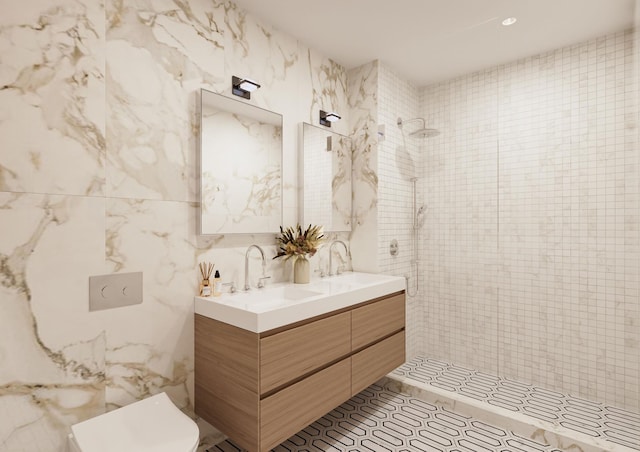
(153, 424)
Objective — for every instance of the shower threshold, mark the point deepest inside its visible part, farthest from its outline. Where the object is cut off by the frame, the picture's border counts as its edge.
(548, 417)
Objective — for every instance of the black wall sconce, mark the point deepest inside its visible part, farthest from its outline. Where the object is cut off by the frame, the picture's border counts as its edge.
(243, 87)
(326, 118)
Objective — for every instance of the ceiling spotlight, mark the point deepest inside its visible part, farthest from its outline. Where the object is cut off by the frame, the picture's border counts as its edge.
(326, 118)
(243, 87)
(509, 21)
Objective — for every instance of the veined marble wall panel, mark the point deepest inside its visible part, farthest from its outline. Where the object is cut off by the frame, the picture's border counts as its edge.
(326, 80)
(150, 345)
(133, 207)
(158, 54)
(262, 53)
(272, 58)
(363, 104)
(52, 349)
(52, 97)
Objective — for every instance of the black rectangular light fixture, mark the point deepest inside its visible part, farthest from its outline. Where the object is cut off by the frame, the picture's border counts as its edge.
(326, 118)
(243, 87)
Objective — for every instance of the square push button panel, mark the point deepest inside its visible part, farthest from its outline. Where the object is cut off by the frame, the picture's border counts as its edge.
(115, 290)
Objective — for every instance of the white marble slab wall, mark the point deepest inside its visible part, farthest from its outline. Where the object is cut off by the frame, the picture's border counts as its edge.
(363, 103)
(97, 175)
(532, 254)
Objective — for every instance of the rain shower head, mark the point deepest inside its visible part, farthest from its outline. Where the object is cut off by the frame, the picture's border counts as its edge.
(425, 133)
(422, 132)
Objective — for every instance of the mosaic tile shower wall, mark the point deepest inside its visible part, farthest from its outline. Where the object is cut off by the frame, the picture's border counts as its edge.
(532, 244)
(399, 162)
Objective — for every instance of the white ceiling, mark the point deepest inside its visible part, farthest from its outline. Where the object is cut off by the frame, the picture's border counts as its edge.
(431, 40)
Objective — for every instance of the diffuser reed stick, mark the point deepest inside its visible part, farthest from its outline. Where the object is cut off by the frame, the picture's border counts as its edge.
(206, 268)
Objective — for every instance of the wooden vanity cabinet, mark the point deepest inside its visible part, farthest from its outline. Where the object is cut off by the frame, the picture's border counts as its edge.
(261, 388)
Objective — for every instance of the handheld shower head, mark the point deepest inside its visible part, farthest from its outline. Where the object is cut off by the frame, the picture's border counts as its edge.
(420, 217)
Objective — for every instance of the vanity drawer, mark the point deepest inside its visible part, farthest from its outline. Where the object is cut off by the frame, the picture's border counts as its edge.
(374, 362)
(377, 320)
(288, 355)
(292, 409)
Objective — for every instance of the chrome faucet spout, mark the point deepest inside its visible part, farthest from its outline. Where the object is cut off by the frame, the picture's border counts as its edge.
(346, 249)
(246, 265)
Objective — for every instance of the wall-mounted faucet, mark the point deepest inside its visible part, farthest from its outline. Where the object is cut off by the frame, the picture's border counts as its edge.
(338, 271)
(246, 266)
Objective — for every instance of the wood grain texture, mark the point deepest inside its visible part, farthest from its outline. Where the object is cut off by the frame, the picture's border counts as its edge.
(374, 362)
(227, 379)
(374, 321)
(290, 410)
(287, 368)
(291, 354)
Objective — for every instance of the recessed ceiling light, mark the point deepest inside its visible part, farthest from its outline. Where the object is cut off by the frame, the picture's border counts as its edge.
(509, 21)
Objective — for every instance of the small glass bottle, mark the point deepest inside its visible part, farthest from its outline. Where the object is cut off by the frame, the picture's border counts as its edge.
(217, 284)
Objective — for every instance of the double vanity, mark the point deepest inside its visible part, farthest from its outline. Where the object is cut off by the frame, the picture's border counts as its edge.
(271, 361)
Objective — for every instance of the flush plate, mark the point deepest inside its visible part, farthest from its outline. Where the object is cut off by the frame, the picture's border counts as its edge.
(115, 290)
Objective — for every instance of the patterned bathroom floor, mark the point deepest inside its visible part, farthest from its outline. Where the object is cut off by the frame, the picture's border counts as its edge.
(381, 420)
(594, 419)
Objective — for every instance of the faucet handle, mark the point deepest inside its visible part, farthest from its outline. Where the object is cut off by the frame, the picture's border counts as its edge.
(321, 271)
(261, 283)
(232, 286)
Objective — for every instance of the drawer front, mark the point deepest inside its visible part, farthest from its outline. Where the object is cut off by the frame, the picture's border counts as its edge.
(373, 363)
(377, 320)
(288, 355)
(292, 409)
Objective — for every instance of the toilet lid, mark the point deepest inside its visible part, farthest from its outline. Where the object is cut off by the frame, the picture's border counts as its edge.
(153, 424)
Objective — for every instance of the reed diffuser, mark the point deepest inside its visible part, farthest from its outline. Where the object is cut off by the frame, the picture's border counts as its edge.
(206, 268)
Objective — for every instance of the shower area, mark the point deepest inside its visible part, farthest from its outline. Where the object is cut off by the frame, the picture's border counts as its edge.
(513, 194)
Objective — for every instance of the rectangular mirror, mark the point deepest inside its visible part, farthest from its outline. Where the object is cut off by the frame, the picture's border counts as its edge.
(240, 167)
(326, 187)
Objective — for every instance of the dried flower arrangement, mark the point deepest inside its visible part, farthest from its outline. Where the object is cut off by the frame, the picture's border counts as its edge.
(293, 242)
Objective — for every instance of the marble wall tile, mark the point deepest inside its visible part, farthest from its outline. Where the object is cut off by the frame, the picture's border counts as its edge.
(103, 107)
(158, 55)
(52, 348)
(52, 91)
(363, 105)
(327, 81)
(260, 52)
(150, 345)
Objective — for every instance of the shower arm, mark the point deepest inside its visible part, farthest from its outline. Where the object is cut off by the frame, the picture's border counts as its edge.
(402, 122)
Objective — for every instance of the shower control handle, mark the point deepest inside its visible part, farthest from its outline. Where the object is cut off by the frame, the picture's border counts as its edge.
(393, 247)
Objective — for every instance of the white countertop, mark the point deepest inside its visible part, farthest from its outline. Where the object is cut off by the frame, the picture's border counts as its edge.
(281, 304)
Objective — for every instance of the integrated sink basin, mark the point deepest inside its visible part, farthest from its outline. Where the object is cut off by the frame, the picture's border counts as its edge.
(280, 304)
(295, 293)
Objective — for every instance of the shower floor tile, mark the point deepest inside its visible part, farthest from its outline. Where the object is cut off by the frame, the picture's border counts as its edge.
(589, 418)
(380, 419)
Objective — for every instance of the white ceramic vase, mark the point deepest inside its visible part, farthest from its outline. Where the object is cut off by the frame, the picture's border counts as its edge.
(301, 270)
